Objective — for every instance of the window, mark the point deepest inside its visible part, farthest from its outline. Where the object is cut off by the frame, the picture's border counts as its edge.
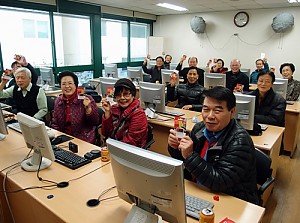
(138, 40)
(30, 36)
(114, 41)
(72, 40)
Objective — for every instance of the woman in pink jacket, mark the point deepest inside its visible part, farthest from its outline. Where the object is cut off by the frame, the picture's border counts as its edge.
(125, 121)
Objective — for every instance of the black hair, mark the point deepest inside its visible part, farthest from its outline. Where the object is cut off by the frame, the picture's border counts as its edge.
(193, 68)
(292, 66)
(160, 58)
(260, 60)
(14, 63)
(67, 73)
(126, 84)
(220, 93)
(221, 61)
(169, 56)
(263, 72)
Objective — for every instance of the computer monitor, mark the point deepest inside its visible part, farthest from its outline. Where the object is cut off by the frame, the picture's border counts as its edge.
(214, 79)
(166, 74)
(206, 69)
(173, 66)
(245, 110)
(280, 86)
(151, 181)
(3, 129)
(151, 63)
(246, 71)
(47, 76)
(36, 138)
(134, 73)
(105, 83)
(111, 70)
(152, 98)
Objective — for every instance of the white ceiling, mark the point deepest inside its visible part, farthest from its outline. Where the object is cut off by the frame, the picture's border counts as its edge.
(194, 6)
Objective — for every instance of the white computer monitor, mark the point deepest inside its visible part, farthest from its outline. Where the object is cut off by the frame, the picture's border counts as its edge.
(154, 183)
(206, 69)
(246, 71)
(173, 66)
(134, 73)
(47, 76)
(35, 135)
(152, 98)
(245, 110)
(106, 82)
(166, 74)
(151, 63)
(280, 86)
(3, 129)
(214, 79)
(111, 70)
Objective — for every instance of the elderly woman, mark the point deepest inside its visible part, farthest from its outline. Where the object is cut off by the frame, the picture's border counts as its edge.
(189, 94)
(126, 120)
(72, 115)
(269, 106)
(293, 90)
(219, 67)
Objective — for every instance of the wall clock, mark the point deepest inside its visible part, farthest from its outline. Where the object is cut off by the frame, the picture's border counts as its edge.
(241, 19)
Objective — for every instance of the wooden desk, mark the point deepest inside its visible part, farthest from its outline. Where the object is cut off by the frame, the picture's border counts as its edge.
(292, 127)
(69, 204)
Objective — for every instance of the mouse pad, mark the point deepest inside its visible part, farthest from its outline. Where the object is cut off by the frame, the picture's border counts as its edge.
(64, 138)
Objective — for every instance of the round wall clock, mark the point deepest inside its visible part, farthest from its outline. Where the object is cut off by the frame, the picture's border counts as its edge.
(241, 19)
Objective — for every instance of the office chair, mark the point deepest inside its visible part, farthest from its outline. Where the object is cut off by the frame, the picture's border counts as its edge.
(263, 173)
(150, 138)
(50, 105)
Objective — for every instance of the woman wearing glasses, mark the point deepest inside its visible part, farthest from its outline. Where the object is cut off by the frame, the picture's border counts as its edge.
(126, 120)
(269, 106)
(73, 115)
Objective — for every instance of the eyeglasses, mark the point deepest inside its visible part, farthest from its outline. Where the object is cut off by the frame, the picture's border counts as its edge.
(124, 94)
(64, 84)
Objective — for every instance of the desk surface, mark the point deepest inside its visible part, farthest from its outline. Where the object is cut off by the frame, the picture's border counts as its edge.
(293, 108)
(69, 204)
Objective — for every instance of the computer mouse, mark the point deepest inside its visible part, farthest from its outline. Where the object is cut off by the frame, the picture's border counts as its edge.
(51, 134)
(195, 119)
(56, 140)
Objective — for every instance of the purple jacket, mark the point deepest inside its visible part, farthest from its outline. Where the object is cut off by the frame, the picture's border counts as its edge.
(83, 126)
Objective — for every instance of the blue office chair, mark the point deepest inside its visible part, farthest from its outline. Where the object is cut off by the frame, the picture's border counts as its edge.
(264, 171)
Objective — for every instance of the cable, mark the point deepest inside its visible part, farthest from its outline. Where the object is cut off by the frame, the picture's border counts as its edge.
(253, 44)
(220, 47)
(95, 202)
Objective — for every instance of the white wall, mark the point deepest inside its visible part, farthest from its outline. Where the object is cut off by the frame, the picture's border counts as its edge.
(220, 41)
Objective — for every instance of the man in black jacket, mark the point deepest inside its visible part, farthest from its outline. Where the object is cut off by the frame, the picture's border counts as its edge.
(235, 79)
(219, 154)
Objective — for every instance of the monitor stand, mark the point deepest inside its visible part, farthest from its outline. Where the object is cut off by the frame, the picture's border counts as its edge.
(137, 214)
(150, 113)
(2, 136)
(32, 164)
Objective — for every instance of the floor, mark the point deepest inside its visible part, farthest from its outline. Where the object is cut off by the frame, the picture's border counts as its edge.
(282, 205)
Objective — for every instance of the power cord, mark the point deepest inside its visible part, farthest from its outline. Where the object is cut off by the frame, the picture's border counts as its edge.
(95, 202)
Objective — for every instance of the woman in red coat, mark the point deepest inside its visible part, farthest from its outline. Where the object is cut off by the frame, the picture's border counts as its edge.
(126, 120)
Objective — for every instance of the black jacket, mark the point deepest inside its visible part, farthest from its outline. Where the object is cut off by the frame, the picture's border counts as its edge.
(155, 73)
(231, 165)
(183, 73)
(187, 94)
(233, 79)
(271, 110)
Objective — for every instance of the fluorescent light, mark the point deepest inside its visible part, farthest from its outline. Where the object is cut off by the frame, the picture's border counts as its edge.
(293, 1)
(171, 6)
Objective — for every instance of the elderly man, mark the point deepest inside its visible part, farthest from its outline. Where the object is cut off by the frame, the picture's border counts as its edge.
(235, 79)
(219, 154)
(30, 99)
(192, 61)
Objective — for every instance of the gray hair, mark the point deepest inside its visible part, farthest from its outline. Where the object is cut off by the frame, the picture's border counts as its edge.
(23, 69)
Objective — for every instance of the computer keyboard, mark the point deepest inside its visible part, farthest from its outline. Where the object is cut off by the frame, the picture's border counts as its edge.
(16, 126)
(194, 205)
(173, 113)
(69, 159)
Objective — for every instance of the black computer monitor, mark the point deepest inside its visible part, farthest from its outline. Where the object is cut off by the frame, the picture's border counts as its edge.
(134, 73)
(214, 79)
(105, 83)
(111, 70)
(280, 86)
(153, 182)
(35, 135)
(3, 129)
(47, 76)
(166, 74)
(245, 110)
(152, 98)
